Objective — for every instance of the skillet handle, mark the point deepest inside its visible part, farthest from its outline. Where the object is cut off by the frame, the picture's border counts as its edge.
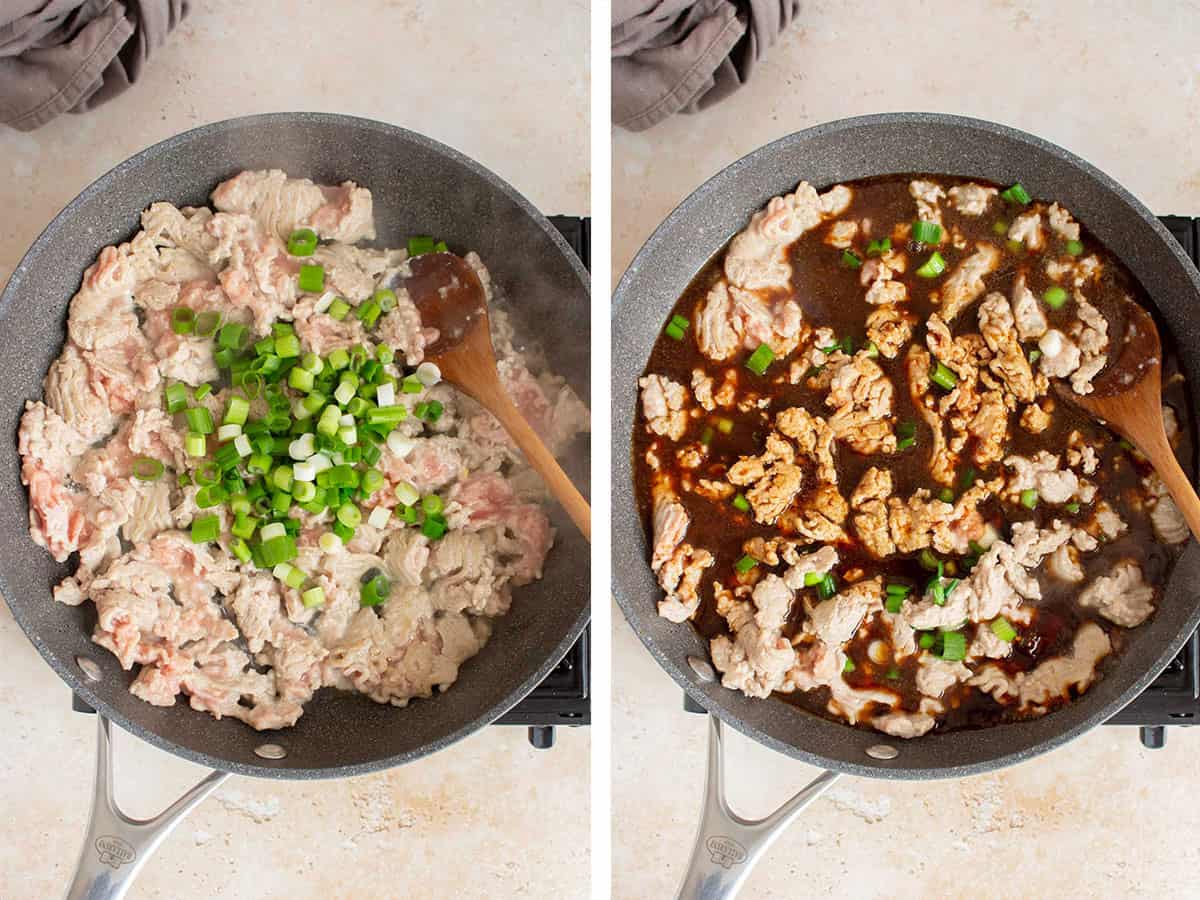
(727, 846)
(116, 846)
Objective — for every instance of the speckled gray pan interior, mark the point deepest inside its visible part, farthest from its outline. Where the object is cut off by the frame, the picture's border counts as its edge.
(420, 187)
(842, 151)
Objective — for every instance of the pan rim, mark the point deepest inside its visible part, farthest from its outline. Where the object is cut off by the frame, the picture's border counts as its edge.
(70, 675)
(632, 533)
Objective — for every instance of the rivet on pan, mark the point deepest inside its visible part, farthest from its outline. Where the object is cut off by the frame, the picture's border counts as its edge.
(702, 668)
(882, 751)
(270, 751)
(89, 668)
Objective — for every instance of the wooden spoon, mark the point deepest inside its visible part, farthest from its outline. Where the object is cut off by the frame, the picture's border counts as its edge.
(1128, 398)
(450, 298)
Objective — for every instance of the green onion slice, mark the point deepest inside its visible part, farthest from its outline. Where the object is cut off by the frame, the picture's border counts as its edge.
(1054, 297)
(206, 529)
(760, 359)
(1075, 248)
(741, 503)
(1029, 498)
(932, 267)
(926, 232)
(302, 242)
(1016, 194)
(944, 377)
(183, 320)
(878, 248)
(1003, 629)
(954, 645)
(207, 323)
(147, 469)
(850, 259)
(745, 564)
(311, 279)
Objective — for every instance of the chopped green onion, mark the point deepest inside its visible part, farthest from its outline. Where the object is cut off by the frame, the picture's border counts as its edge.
(1000, 228)
(1034, 355)
(183, 320)
(1054, 297)
(828, 586)
(680, 322)
(349, 515)
(943, 376)
(926, 640)
(408, 513)
(1016, 194)
(897, 587)
(745, 564)
(410, 385)
(375, 591)
(433, 527)
(236, 410)
(893, 603)
(1014, 246)
(905, 443)
(892, 674)
(233, 336)
(302, 242)
(244, 526)
(372, 480)
(706, 436)
(741, 503)
(1003, 629)
(946, 495)
(223, 358)
(385, 354)
(208, 473)
(906, 429)
(241, 550)
(725, 426)
(848, 666)
(432, 505)
(207, 323)
(176, 395)
(812, 579)
(850, 259)
(202, 391)
(954, 646)
(1075, 248)
(441, 247)
(928, 561)
(926, 232)
(314, 596)
(147, 469)
(871, 350)
(368, 313)
(968, 478)
(206, 529)
(1072, 507)
(932, 267)
(878, 248)
(760, 359)
(419, 244)
(301, 379)
(338, 309)
(1029, 498)
(200, 420)
(312, 279)
(674, 332)
(287, 346)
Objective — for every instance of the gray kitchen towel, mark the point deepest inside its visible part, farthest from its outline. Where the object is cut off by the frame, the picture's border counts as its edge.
(672, 56)
(71, 56)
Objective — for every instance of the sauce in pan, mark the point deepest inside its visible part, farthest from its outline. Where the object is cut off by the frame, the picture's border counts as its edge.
(829, 290)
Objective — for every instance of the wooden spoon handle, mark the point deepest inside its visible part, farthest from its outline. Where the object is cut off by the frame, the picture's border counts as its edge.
(1177, 484)
(541, 459)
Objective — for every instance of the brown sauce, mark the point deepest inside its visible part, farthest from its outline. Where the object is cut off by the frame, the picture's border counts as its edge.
(448, 295)
(830, 295)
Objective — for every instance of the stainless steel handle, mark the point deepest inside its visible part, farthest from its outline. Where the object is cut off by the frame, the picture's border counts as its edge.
(116, 846)
(727, 846)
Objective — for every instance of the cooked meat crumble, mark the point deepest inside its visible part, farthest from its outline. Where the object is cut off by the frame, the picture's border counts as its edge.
(865, 491)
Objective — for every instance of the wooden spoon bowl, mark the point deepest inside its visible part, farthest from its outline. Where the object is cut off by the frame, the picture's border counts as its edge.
(450, 298)
(1127, 397)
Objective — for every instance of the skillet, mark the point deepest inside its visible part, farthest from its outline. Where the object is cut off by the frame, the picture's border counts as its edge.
(419, 187)
(697, 229)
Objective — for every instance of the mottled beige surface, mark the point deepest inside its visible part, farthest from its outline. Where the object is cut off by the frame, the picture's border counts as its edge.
(489, 817)
(1101, 817)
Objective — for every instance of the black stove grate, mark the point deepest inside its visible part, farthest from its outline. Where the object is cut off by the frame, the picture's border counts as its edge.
(1174, 697)
(564, 697)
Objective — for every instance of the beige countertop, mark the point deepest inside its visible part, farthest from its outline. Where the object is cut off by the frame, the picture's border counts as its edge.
(1101, 817)
(489, 817)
